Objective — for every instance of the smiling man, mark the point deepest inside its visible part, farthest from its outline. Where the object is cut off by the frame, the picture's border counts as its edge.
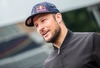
(71, 49)
(43, 23)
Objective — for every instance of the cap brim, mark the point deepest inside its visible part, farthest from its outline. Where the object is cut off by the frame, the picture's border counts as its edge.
(29, 21)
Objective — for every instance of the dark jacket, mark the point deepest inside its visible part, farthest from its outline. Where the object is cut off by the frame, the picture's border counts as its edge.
(78, 50)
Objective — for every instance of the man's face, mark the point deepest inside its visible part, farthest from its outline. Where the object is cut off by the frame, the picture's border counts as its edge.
(47, 26)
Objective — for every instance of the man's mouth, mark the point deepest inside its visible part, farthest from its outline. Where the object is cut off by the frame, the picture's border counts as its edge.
(45, 33)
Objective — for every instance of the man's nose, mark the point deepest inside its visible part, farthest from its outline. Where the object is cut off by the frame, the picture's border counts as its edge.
(40, 28)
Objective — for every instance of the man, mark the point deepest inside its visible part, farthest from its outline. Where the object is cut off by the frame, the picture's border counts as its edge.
(71, 49)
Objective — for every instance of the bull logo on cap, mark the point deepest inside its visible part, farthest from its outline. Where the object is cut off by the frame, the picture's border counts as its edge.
(41, 9)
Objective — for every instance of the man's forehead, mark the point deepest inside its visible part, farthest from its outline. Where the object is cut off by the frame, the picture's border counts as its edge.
(40, 16)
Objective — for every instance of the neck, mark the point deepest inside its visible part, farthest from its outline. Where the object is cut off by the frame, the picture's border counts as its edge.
(61, 37)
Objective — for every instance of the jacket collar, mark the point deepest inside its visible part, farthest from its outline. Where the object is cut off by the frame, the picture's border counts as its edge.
(66, 40)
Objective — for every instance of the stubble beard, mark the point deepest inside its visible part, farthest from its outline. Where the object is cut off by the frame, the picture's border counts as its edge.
(55, 36)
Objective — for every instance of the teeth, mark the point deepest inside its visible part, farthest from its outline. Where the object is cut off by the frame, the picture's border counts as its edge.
(45, 33)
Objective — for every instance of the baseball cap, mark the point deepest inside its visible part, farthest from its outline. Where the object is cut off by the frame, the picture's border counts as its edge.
(43, 7)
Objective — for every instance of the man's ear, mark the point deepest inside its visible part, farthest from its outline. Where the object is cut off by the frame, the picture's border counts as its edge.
(58, 17)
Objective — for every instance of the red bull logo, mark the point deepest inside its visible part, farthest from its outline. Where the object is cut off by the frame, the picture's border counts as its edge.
(41, 9)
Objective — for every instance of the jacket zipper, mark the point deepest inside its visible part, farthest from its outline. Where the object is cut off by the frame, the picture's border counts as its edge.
(58, 50)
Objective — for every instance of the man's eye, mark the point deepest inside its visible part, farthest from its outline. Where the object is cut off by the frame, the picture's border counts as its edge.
(43, 20)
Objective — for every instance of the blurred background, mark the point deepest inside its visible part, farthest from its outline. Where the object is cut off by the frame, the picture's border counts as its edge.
(23, 47)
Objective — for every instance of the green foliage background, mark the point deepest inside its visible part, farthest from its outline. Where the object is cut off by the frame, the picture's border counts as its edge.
(80, 21)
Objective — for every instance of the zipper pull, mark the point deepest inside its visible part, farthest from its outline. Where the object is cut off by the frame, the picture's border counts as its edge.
(58, 50)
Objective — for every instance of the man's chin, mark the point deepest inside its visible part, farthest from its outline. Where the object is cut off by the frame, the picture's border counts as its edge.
(47, 40)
